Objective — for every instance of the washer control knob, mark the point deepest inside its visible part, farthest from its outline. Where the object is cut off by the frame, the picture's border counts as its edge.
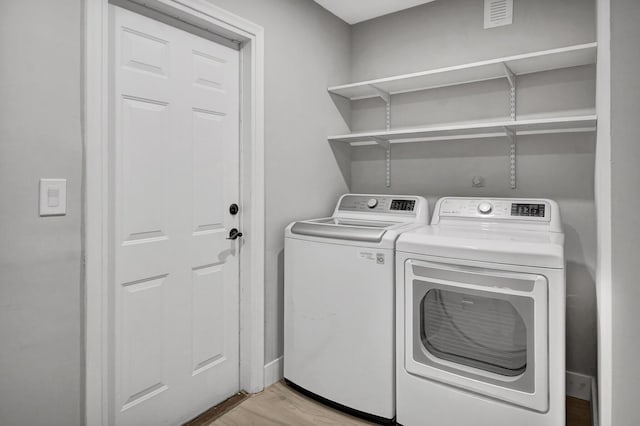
(372, 203)
(485, 208)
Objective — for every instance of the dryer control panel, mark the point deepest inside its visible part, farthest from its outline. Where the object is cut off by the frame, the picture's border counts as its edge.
(495, 209)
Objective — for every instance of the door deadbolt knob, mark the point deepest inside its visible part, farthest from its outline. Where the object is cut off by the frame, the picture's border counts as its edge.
(234, 234)
(233, 209)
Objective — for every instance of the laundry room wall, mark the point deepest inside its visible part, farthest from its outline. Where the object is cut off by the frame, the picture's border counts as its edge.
(561, 167)
(307, 48)
(40, 267)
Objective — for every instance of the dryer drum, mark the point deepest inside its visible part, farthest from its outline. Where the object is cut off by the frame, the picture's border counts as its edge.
(480, 332)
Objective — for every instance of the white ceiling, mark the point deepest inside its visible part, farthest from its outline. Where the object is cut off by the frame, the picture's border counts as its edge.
(354, 11)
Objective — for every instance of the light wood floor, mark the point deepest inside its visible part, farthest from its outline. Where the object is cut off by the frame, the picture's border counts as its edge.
(578, 412)
(282, 406)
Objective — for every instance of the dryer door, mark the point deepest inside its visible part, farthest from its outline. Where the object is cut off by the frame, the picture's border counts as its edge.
(479, 329)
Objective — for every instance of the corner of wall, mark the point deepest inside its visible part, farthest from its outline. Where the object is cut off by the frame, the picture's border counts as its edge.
(603, 212)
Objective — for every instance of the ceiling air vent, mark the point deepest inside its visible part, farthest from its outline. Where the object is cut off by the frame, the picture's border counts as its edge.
(498, 13)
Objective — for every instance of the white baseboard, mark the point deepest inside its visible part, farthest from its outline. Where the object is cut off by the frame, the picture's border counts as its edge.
(579, 385)
(595, 411)
(273, 372)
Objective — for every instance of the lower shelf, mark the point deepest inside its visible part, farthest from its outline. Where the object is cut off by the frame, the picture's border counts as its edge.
(573, 124)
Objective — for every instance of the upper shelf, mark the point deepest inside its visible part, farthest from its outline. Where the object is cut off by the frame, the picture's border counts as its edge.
(583, 123)
(546, 60)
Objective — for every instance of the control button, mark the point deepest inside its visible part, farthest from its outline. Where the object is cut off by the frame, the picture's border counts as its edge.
(372, 203)
(485, 208)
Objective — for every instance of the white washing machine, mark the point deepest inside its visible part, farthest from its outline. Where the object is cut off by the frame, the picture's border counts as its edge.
(481, 316)
(339, 341)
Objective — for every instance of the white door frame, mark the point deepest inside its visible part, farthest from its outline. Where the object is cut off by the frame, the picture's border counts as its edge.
(204, 15)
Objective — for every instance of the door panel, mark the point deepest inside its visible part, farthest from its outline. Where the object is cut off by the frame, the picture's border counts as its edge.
(142, 313)
(208, 167)
(145, 130)
(175, 168)
(208, 339)
(144, 52)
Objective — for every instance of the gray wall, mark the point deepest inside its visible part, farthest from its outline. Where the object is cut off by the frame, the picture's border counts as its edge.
(450, 32)
(625, 177)
(40, 286)
(307, 49)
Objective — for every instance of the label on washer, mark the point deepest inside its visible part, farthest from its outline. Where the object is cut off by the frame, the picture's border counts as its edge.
(367, 255)
(374, 257)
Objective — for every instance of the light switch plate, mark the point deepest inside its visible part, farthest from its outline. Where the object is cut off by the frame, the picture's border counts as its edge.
(53, 197)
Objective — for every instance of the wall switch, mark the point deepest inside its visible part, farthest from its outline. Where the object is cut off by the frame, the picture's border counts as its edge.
(53, 197)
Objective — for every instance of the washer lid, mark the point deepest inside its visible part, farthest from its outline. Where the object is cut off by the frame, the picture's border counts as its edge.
(344, 229)
(495, 245)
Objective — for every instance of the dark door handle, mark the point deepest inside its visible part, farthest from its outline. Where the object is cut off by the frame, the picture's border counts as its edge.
(234, 234)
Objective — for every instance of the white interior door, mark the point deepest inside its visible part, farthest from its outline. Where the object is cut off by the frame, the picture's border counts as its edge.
(175, 171)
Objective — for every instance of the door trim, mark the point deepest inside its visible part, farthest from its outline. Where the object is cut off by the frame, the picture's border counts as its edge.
(96, 215)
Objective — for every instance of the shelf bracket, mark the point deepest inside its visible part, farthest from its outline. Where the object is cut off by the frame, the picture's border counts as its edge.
(386, 97)
(511, 136)
(382, 142)
(511, 76)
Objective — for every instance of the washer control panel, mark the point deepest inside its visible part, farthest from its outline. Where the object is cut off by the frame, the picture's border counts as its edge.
(497, 209)
(379, 204)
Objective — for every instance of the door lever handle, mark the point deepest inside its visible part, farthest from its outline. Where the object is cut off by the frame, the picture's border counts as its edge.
(234, 234)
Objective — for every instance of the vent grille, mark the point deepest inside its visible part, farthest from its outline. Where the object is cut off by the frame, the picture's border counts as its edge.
(498, 13)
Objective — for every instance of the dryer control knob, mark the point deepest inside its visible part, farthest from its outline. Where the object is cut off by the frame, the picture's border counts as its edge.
(485, 208)
(372, 203)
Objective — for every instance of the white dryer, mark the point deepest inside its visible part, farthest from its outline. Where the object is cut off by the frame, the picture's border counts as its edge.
(339, 341)
(481, 316)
